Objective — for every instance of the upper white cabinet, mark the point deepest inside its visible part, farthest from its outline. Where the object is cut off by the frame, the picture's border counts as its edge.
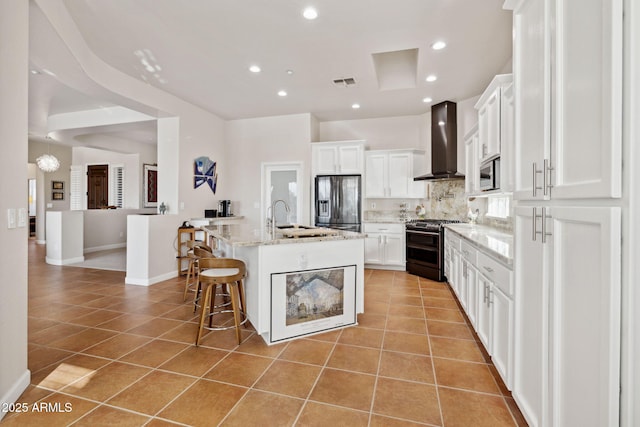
(471, 172)
(490, 117)
(568, 92)
(338, 158)
(389, 174)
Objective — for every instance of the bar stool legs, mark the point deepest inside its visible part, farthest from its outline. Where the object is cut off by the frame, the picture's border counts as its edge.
(228, 273)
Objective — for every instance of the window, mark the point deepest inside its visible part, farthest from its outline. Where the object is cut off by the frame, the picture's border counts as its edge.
(75, 188)
(498, 206)
(117, 186)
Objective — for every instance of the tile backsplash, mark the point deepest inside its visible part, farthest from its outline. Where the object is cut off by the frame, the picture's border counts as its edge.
(447, 200)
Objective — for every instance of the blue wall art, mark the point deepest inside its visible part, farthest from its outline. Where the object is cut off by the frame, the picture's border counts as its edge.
(204, 170)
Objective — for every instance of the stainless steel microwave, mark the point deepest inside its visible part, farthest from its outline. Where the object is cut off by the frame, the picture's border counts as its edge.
(490, 175)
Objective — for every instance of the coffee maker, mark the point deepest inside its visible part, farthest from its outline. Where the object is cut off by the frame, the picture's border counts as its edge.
(224, 208)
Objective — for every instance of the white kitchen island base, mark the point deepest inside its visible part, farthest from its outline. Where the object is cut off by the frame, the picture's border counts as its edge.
(300, 287)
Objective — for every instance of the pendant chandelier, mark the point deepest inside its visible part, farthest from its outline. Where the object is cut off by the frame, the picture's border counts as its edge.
(48, 162)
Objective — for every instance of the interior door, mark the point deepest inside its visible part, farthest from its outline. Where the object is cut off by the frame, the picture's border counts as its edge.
(98, 186)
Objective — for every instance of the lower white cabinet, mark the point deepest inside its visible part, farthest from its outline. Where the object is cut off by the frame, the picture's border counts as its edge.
(568, 315)
(485, 289)
(384, 245)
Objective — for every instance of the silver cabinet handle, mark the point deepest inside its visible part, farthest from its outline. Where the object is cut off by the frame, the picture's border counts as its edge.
(544, 225)
(484, 293)
(546, 177)
(489, 269)
(535, 179)
(490, 299)
(534, 224)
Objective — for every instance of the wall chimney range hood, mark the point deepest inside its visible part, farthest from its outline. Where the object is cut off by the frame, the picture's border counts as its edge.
(444, 145)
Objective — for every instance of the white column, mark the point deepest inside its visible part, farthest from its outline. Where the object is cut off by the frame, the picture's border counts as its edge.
(14, 63)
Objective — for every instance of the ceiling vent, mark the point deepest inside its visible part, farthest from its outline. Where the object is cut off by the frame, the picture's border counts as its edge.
(349, 81)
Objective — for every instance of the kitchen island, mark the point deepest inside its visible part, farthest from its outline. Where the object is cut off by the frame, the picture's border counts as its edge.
(297, 286)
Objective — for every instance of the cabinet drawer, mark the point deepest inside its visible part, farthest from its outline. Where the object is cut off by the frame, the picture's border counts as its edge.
(379, 227)
(451, 240)
(468, 252)
(496, 272)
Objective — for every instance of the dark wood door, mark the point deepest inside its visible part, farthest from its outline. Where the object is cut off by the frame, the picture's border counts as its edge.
(98, 185)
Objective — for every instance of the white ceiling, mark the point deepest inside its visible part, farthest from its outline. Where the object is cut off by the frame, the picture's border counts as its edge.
(200, 51)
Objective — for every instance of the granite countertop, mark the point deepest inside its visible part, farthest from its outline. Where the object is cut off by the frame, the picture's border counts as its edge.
(498, 243)
(395, 220)
(245, 235)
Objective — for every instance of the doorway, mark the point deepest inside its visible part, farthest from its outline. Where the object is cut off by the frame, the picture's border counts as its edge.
(98, 186)
(282, 181)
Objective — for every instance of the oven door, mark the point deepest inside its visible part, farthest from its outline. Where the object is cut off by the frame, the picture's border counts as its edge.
(423, 254)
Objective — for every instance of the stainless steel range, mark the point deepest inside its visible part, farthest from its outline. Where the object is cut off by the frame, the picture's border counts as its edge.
(425, 248)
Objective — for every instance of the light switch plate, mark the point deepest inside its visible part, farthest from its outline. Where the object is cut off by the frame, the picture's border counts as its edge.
(11, 218)
(22, 217)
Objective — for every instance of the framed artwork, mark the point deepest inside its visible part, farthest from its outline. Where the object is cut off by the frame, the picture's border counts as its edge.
(150, 184)
(57, 185)
(311, 301)
(57, 195)
(204, 171)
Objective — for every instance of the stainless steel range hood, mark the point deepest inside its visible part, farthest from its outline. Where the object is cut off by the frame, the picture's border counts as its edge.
(444, 145)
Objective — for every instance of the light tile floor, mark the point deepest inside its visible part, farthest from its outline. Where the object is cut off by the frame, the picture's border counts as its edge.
(105, 353)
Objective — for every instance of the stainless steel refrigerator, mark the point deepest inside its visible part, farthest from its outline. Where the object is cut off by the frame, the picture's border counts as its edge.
(338, 201)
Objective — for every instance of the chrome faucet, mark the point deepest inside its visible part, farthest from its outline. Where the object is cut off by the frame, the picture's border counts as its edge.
(273, 214)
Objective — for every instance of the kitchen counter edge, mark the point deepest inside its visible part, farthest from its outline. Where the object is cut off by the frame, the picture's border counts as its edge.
(242, 235)
(496, 243)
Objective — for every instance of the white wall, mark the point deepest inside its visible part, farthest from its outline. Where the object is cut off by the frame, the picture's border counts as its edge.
(84, 156)
(269, 139)
(106, 228)
(401, 132)
(14, 61)
(63, 154)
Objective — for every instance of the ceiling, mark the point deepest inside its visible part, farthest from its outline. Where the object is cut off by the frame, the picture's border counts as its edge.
(201, 50)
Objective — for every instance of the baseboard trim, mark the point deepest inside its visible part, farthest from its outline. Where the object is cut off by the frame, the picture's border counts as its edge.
(56, 261)
(16, 390)
(385, 267)
(150, 281)
(105, 247)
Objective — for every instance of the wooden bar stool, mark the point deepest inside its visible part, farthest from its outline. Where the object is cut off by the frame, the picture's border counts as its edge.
(192, 269)
(216, 272)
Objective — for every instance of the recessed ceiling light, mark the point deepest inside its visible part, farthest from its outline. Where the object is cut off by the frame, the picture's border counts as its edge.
(282, 93)
(355, 106)
(35, 72)
(310, 13)
(290, 72)
(427, 100)
(438, 45)
(254, 69)
(431, 78)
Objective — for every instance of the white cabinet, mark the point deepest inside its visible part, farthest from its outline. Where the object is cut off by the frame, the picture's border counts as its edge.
(568, 99)
(338, 158)
(507, 138)
(472, 171)
(485, 289)
(389, 174)
(385, 245)
(568, 315)
(490, 117)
